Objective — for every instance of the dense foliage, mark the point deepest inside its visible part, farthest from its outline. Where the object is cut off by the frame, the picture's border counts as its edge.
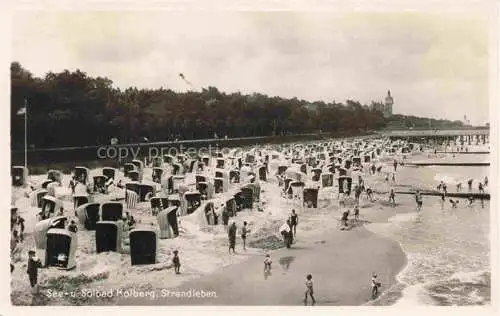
(74, 109)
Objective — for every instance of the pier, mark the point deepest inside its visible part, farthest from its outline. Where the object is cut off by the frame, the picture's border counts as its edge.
(464, 152)
(465, 136)
(462, 195)
(462, 164)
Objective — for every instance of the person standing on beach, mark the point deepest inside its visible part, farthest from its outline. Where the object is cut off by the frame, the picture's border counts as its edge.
(290, 233)
(443, 198)
(33, 265)
(244, 231)
(345, 219)
(375, 285)
(285, 233)
(486, 181)
(356, 212)
(392, 198)
(294, 221)
(309, 290)
(267, 263)
(176, 262)
(20, 228)
(232, 237)
(469, 183)
(395, 164)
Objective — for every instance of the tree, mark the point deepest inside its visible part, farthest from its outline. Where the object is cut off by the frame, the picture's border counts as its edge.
(70, 108)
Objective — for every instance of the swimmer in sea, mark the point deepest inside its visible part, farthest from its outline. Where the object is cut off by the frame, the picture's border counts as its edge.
(471, 200)
(453, 203)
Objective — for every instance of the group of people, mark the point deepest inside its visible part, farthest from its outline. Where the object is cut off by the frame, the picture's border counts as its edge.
(232, 230)
(288, 230)
(345, 217)
(480, 186)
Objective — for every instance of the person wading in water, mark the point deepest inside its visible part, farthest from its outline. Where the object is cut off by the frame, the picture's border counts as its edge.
(375, 286)
(443, 199)
(418, 200)
(392, 198)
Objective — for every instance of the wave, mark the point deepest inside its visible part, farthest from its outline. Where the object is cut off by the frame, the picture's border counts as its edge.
(457, 290)
(428, 280)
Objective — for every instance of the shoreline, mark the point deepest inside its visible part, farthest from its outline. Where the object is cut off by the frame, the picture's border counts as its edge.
(346, 295)
(345, 283)
(315, 228)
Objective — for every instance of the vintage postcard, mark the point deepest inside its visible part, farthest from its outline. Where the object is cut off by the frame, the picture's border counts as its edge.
(300, 156)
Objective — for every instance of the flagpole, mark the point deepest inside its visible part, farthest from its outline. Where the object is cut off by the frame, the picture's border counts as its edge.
(25, 133)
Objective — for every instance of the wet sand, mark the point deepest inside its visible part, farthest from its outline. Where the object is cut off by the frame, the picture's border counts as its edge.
(341, 264)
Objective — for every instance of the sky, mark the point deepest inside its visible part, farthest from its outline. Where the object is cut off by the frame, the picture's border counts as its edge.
(435, 63)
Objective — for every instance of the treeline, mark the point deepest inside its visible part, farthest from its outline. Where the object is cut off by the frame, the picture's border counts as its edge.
(74, 109)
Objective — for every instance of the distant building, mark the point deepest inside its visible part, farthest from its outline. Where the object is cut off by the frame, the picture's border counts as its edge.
(389, 102)
(466, 121)
(378, 106)
(386, 106)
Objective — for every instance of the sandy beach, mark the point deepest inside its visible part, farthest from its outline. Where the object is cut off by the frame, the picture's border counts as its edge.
(203, 254)
(341, 262)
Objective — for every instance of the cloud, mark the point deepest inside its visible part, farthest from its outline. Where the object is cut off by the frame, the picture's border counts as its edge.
(432, 63)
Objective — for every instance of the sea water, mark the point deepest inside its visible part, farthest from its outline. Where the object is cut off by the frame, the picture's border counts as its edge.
(448, 249)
